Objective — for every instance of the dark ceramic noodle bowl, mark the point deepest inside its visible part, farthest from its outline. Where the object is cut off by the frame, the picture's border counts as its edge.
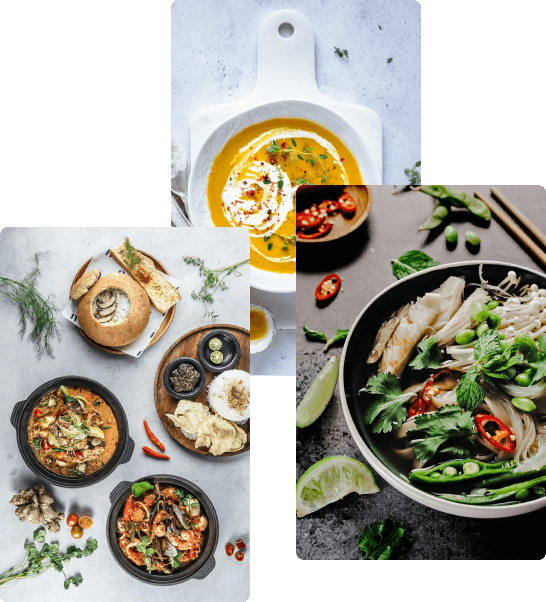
(231, 350)
(22, 412)
(195, 569)
(355, 372)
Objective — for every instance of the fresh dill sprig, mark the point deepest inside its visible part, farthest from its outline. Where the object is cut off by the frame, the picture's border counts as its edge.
(33, 308)
(212, 281)
(414, 175)
(131, 256)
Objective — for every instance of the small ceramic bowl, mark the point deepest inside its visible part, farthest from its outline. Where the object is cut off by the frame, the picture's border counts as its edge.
(174, 364)
(231, 350)
(257, 346)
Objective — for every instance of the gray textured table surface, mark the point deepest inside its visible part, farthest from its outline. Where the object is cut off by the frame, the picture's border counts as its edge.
(363, 261)
(213, 61)
(224, 480)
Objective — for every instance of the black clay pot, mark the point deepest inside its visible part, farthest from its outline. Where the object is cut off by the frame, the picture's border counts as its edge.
(21, 414)
(231, 350)
(199, 568)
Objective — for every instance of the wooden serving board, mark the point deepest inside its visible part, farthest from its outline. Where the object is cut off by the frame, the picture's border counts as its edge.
(160, 331)
(341, 225)
(186, 346)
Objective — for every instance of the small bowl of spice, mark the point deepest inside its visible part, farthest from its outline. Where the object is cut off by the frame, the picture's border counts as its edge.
(184, 378)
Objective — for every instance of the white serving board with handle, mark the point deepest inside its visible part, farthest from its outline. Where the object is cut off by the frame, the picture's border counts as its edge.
(286, 71)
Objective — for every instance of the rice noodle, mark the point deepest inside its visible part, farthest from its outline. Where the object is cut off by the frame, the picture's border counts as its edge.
(531, 392)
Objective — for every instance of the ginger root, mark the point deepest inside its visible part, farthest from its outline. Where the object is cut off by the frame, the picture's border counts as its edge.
(35, 505)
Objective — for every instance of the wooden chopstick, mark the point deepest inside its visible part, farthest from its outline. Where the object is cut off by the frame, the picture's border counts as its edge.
(524, 239)
(540, 236)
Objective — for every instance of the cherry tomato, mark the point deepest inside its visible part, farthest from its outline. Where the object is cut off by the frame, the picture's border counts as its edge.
(239, 556)
(230, 548)
(72, 519)
(76, 532)
(85, 521)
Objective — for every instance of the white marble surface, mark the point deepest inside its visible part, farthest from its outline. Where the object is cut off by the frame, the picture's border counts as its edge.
(214, 61)
(279, 359)
(225, 480)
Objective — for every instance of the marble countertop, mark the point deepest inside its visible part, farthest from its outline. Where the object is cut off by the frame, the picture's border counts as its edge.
(224, 480)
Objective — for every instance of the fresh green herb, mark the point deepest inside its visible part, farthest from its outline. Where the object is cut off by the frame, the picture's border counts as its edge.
(413, 174)
(266, 181)
(316, 335)
(131, 256)
(301, 182)
(341, 53)
(33, 308)
(389, 60)
(540, 364)
(139, 488)
(381, 541)
(308, 155)
(270, 246)
(430, 355)
(212, 281)
(412, 262)
(37, 561)
(387, 408)
(37, 443)
(445, 433)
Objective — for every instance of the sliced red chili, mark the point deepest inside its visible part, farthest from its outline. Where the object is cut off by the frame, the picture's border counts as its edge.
(330, 207)
(45, 445)
(38, 412)
(417, 407)
(239, 556)
(328, 288)
(310, 218)
(502, 438)
(240, 544)
(230, 548)
(423, 404)
(347, 204)
(322, 231)
(79, 454)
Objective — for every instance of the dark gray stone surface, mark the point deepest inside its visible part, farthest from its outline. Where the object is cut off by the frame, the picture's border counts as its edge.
(363, 262)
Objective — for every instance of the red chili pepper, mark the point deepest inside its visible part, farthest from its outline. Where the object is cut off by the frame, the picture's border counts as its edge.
(239, 556)
(328, 288)
(240, 544)
(347, 204)
(127, 509)
(421, 405)
(79, 454)
(45, 445)
(38, 412)
(309, 219)
(155, 454)
(330, 207)
(230, 548)
(152, 437)
(322, 231)
(503, 438)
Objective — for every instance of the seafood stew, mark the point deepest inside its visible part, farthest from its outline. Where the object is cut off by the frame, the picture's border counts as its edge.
(449, 390)
(72, 431)
(161, 527)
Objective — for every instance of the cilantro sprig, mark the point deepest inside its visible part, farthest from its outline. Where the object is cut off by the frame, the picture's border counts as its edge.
(381, 541)
(37, 561)
(445, 433)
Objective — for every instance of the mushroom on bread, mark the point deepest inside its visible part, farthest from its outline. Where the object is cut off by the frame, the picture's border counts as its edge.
(115, 311)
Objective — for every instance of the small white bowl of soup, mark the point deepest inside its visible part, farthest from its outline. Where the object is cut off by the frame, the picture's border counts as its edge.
(262, 328)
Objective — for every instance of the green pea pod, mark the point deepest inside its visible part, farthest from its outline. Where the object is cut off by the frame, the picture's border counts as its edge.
(459, 198)
(437, 217)
(495, 495)
(424, 478)
(479, 209)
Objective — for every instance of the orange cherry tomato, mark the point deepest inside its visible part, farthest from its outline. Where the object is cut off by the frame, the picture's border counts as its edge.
(72, 519)
(85, 521)
(76, 532)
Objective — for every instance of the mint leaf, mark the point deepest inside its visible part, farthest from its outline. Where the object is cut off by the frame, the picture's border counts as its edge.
(488, 345)
(315, 335)
(540, 363)
(469, 392)
(412, 262)
(430, 355)
(388, 410)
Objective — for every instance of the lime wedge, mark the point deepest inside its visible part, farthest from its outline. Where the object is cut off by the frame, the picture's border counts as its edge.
(319, 394)
(329, 480)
